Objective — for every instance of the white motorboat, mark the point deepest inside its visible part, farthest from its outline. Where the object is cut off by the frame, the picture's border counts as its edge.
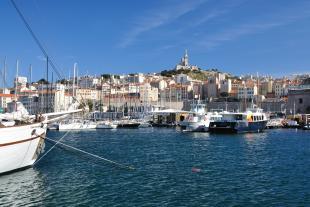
(144, 125)
(201, 122)
(275, 123)
(198, 120)
(106, 125)
(76, 124)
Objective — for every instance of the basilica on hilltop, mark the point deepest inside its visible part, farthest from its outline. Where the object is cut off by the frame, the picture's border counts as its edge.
(184, 64)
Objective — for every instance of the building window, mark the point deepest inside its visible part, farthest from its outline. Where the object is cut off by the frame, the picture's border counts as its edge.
(300, 100)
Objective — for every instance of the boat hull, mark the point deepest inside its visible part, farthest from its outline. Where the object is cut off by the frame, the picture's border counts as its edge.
(20, 146)
(76, 126)
(128, 125)
(197, 127)
(237, 127)
(106, 126)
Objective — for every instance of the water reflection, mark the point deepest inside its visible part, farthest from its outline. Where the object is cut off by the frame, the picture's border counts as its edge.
(253, 138)
(200, 135)
(25, 187)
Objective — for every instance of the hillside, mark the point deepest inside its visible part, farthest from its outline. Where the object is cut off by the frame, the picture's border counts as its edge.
(194, 74)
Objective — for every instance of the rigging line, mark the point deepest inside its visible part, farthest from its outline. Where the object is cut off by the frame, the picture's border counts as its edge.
(57, 142)
(50, 59)
(3, 75)
(35, 38)
(93, 155)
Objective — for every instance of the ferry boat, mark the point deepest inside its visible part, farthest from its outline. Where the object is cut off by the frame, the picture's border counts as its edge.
(198, 120)
(253, 120)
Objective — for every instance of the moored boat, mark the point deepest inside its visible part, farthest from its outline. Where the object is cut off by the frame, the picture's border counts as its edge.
(128, 124)
(106, 125)
(76, 124)
(22, 137)
(253, 120)
(198, 120)
(21, 145)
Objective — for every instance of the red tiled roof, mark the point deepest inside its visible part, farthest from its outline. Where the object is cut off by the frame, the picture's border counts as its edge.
(7, 95)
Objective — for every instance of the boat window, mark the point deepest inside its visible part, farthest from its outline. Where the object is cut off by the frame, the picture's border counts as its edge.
(239, 117)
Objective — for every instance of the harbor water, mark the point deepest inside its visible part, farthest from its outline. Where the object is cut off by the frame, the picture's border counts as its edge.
(172, 168)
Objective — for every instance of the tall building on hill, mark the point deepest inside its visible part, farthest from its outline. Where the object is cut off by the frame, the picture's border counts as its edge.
(184, 64)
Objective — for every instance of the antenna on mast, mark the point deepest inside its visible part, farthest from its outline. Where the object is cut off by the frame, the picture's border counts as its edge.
(16, 82)
(30, 73)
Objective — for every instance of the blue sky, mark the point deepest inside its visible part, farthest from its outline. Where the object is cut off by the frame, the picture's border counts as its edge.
(237, 36)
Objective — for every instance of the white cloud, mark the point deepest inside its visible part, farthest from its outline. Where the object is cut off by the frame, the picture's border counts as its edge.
(238, 31)
(159, 18)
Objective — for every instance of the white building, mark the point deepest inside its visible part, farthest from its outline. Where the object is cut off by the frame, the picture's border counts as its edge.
(280, 89)
(213, 87)
(135, 78)
(225, 86)
(30, 102)
(182, 78)
(20, 81)
(5, 99)
(148, 93)
(83, 94)
(54, 100)
(88, 82)
(248, 91)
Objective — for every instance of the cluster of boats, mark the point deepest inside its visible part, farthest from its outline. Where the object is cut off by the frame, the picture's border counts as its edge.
(23, 135)
(80, 124)
(252, 120)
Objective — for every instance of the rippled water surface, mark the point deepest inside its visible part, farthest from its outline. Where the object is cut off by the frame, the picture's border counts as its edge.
(171, 169)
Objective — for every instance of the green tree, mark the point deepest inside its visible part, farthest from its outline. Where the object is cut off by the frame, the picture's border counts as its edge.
(105, 76)
(42, 81)
(90, 104)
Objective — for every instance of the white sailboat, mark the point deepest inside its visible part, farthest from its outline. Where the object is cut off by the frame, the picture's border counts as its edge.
(21, 145)
(23, 139)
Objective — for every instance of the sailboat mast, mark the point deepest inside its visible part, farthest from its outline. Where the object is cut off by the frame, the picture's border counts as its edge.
(4, 74)
(73, 83)
(15, 94)
(47, 88)
(30, 74)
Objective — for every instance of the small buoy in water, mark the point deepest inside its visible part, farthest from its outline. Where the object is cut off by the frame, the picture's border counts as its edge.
(196, 170)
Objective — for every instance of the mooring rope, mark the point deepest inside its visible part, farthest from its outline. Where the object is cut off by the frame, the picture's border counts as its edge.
(57, 142)
(88, 153)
